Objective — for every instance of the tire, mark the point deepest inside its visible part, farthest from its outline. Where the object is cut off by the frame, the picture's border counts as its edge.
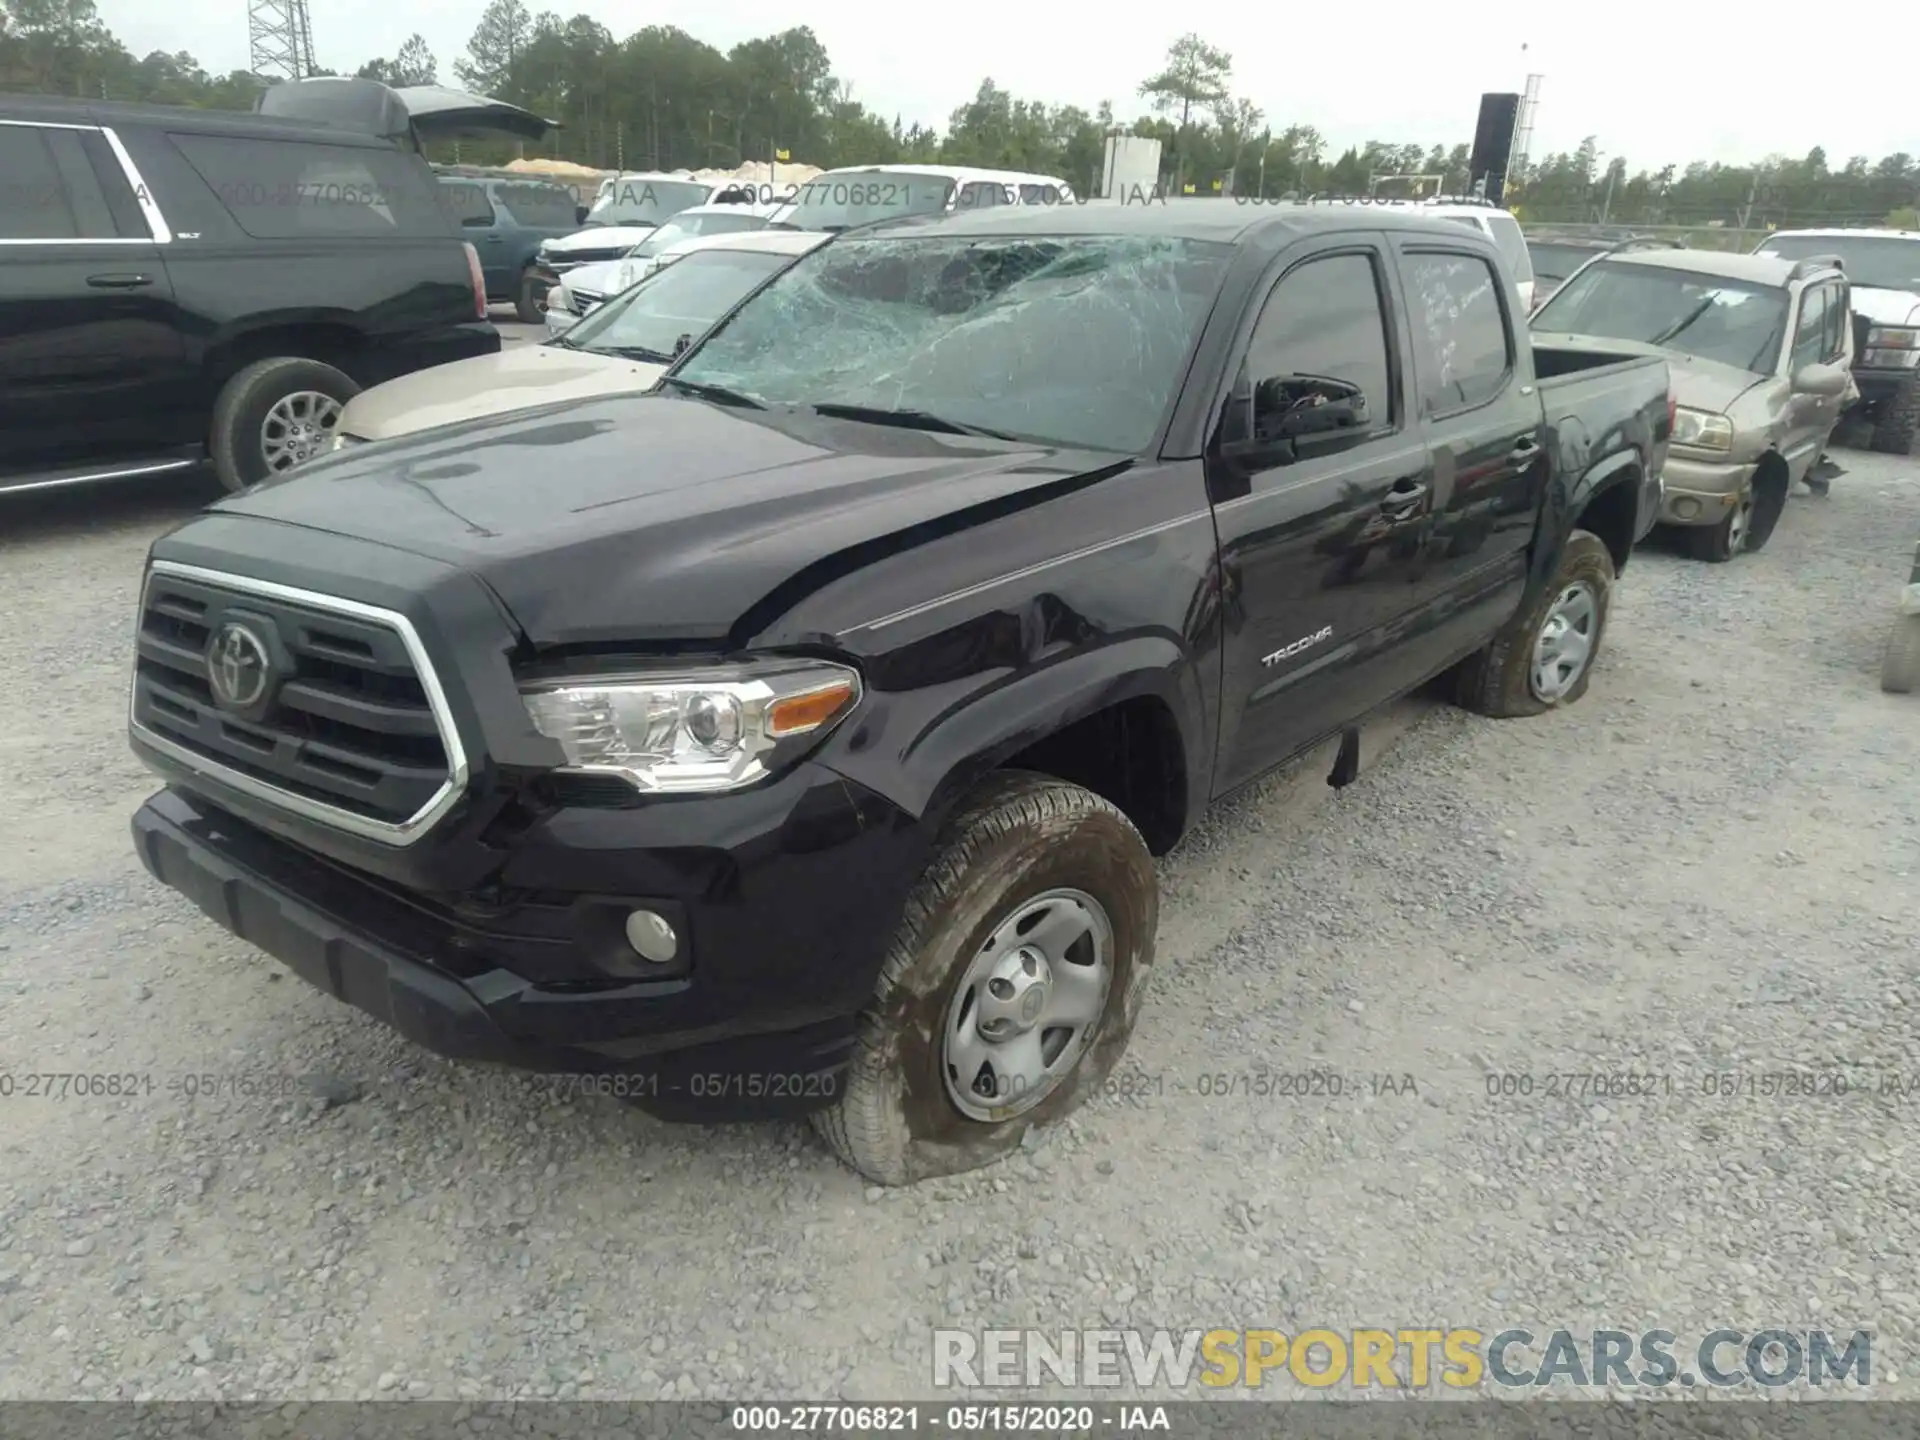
(237, 442)
(527, 296)
(1499, 680)
(1016, 840)
(1717, 544)
(1769, 504)
(1900, 665)
(1894, 426)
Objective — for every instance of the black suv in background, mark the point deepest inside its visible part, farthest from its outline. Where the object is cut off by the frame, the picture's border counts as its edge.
(179, 284)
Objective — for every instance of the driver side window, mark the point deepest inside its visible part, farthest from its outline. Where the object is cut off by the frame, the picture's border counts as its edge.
(1323, 322)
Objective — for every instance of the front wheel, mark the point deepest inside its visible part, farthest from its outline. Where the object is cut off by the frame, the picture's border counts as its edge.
(1899, 417)
(1011, 988)
(1544, 657)
(1717, 544)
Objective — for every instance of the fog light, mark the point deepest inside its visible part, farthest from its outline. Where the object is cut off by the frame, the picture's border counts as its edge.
(652, 937)
(1686, 509)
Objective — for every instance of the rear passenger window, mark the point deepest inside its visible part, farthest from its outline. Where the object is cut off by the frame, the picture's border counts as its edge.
(285, 189)
(466, 204)
(1459, 329)
(1512, 245)
(48, 190)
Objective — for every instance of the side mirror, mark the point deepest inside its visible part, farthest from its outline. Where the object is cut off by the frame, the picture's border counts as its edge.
(1825, 381)
(1290, 417)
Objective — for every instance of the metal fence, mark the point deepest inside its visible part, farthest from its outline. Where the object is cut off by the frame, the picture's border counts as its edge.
(1694, 237)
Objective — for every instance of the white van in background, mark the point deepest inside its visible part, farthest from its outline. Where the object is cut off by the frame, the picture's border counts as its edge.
(863, 194)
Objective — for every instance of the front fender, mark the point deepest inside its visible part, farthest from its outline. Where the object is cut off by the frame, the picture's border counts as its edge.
(924, 749)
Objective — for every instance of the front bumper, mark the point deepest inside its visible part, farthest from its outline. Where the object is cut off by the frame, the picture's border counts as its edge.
(786, 901)
(1699, 491)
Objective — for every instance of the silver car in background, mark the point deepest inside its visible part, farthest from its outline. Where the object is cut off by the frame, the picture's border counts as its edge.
(1759, 350)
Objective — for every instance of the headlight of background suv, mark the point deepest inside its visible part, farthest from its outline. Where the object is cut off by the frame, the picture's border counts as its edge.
(341, 440)
(698, 730)
(1702, 429)
(1894, 345)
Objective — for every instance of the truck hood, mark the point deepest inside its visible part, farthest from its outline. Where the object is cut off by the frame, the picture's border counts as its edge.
(524, 378)
(1697, 384)
(1885, 307)
(643, 518)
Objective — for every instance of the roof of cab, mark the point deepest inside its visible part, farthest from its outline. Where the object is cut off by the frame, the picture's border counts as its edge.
(1857, 233)
(946, 172)
(1196, 219)
(1721, 264)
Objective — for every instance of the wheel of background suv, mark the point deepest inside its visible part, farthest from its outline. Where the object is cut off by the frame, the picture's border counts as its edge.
(1900, 666)
(527, 297)
(1544, 657)
(1011, 987)
(1718, 544)
(1893, 427)
(274, 415)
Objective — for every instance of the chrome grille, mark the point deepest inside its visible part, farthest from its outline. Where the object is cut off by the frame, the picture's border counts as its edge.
(352, 728)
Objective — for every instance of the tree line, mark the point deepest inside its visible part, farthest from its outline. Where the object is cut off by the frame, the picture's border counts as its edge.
(663, 99)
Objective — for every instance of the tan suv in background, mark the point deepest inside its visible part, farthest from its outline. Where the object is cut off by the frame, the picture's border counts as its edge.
(1759, 350)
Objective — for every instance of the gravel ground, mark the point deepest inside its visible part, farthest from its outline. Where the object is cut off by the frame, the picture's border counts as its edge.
(1706, 868)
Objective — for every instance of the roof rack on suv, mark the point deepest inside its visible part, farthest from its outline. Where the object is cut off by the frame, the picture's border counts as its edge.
(1807, 266)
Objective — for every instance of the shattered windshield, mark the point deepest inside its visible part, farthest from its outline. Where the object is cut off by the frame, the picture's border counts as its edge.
(676, 305)
(1077, 340)
(835, 201)
(1706, 316)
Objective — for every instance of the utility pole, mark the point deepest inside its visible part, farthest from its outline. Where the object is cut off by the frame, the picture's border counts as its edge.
(1746, 210)
(1606, 204)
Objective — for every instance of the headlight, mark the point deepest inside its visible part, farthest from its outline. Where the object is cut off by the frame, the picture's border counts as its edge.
(1702, 429)
(341, 440)
(1893, 337)
(704, 730)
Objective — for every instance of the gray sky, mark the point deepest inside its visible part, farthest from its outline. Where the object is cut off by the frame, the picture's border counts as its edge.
(1640, 75)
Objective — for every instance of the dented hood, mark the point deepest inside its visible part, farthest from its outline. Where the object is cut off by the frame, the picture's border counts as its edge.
(644, 518)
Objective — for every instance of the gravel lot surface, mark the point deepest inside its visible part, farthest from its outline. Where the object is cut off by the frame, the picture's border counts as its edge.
(1705, 869)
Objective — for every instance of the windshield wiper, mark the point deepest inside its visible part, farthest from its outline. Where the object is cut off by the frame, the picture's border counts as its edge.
(718, 394)
(1687, 320)
(635, 352)
(905, 419)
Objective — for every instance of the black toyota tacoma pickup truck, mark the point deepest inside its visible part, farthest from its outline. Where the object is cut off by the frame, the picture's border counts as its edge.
(798, 736)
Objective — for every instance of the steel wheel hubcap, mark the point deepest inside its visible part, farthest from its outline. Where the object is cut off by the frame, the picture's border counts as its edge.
(297, 428)
(1565, 646)
(1028, 1005)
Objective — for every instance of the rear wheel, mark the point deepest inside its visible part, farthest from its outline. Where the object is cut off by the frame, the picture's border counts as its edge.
(1011, 988)
(1900, 665)
(274, 416)
(1544, 657)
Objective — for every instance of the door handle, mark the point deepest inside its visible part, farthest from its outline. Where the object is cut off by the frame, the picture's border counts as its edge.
(119, 282)
(1524, 450)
